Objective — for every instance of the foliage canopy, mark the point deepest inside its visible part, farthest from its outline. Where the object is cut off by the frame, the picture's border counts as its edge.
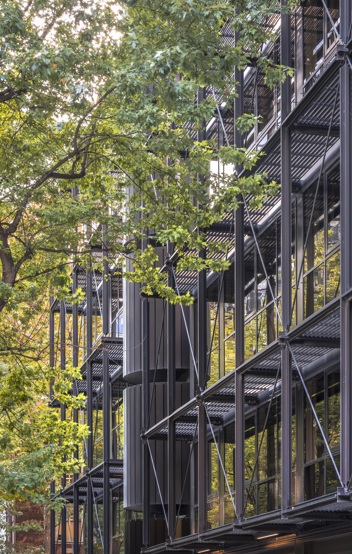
(96, 100)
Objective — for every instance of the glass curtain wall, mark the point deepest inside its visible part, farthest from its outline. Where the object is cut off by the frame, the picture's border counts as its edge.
(321, 278)
(261, 293)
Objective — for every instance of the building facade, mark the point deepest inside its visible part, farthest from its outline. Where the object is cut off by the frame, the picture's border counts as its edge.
(236, 411)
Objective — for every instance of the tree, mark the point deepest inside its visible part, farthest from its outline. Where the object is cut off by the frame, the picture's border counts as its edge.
(97, 100)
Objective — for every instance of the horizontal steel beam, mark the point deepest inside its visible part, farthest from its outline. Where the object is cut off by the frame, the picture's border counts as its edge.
(316, 342)
(313, 129)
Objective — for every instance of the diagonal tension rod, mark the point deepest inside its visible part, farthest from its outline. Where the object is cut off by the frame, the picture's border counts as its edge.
(270, 288)
(186, 474)
(333, 24)
(221, 461)
(310, 223)
(315, 413)
(252, 228)
(186, 327)
(262, 261)
(157, 363)
(262, 437)
(158, 486)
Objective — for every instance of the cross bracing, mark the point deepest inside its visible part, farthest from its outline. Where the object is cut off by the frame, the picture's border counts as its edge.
(260, 370)
(238, 431)
(309, 347)
(89, 336)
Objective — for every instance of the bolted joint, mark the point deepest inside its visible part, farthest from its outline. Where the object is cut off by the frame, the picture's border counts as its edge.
(199, 397)
(283, 339)
(344, 494)
(342, 53)
(168, 263)
(250, 230)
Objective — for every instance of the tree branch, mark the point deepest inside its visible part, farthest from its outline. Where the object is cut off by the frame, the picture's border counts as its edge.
(44, 272)
(58, 14)
(12, 227)
(28, 5)
(8, 265)
(91, 109)
(69, 176)
(26, 256)
(9, 93)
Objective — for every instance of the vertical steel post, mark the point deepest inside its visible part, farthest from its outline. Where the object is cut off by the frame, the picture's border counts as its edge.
(222, 488)
(75, 339)
(286, 245)
(171, 391)
(202, 371)
(75, 347)
(300, 426)
(221, 288)
(202, 422)
(107, 508)
(299, 54)
(52, 364)
(299, 308)
(145, 422)
(239, 353)
(89, 377)
(192, 388)
(89, 312)
(239, 318)
(63, 415)
(76, 537)
(346, 244)
(221, 324)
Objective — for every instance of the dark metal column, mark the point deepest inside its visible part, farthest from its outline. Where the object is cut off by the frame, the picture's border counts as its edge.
(239, 320)
(145, 422)
(202, 422)
(298, 307)
(75, 339)
(286, 242)
(193, 385)
(346, 257)
(221, 291)
(299, 54)
(63, 415)
(89, 312)
(52, 364)
(221, 319)
(300, 426)
(76, 537)
(107, 504)
(239, 378)
(75, 357)
(75, 349)
(202, 371)
(89, 406)
(171, 391)
(222, 488)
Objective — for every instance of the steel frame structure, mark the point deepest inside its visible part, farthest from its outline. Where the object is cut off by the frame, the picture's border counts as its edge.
(282, 403)
(88, 336)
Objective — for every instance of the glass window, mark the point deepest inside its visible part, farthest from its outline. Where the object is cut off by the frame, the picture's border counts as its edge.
(220, 502)
(262, 293)
(262, 460)
(321, 280)
(213, 349)
(320, 32)
(221, 337)
(319, 474)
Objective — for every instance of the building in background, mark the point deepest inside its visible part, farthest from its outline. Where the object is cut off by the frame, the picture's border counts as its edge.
(235, 413)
